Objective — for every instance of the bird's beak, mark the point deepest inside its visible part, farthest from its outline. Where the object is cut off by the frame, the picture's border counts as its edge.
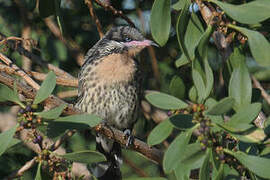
(143, 43)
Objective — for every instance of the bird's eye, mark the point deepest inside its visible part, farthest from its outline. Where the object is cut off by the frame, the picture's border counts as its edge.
(127, 39)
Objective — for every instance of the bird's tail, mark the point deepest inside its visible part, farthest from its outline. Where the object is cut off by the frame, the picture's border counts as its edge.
(109, 169)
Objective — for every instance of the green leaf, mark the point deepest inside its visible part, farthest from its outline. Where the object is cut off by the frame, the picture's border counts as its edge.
(240, 87)
(256, 135)
(38, 174)
(265, 151)
(177, 87)
(46, 88)
(6, 138)
(6, 94)
(160, 21)
(259, 46)
(89, 119)
(85, 156)
(205, 169)
(192, 38)
(176, 149)
(192, 94)
(179, 5)
(165, 101)
(199, 84)
(182, 121)
(160, 133)
(221, 107)
(241, 120)
(220, 174)
(258, 11)
(257, 165)
(145, 178)
(181, 25)
(13, 142)
(209, 78)
(52, 113)
(201, 49)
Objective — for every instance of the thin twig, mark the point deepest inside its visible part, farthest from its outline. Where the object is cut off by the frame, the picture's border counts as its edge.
(11, 44)
(115, 12)
(24, 168)
(75, 49)
(67, 94)
(94, 17)
(258, 85)
(19, 71)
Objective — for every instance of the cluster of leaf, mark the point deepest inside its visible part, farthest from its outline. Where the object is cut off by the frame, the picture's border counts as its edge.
(232, 135)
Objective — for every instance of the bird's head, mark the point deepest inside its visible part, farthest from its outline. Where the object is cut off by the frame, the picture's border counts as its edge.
(128, 39)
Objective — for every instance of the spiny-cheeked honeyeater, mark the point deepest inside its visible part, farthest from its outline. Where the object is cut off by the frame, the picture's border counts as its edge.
(110, 87)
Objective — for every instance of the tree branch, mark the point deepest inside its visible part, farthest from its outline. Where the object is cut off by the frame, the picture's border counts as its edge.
(139, 146)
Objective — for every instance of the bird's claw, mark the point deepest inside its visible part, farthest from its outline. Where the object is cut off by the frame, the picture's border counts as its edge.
(130, 138)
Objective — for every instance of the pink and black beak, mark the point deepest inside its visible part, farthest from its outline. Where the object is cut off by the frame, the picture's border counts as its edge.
(142, 44)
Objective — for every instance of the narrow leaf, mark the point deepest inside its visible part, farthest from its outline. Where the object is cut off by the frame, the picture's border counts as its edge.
(182, 121)
(176, 149)
(52, 113)
(160, 133)
(160, 21)
(6, 138)
(181, 25)
(89, 119)
(259, 10)
(199, 84)
(220, 174)
(221, 107)
(240, 87)
(86, 156)
(259, 46)
(244, 117)
(165, 101)
(6, 94)
(257, 165)
(205, 169)
(177, 87)
(38, 174)
(46, 88)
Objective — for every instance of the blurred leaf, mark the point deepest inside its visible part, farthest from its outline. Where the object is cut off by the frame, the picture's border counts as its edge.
(145, 178)
(46, 8)
(86, 156)
(46, 88)
(7, 94)
(177, 87)
(254, 136)
(176, 149)
(165, 101)
(38, 174)
(181, 25)
(210, 103)
(52, 113)
(182, 121)
(179, 5)
(242, 118)
(259, 10)
(192, 94)
(258, 165)
(160, 133)
(199, 84)
(265, 151)
(240, 87)
(161, 21)
(209, 78)
(58, 14)
(6, 138)
(89, 119)
(205, 169)
(259, 46)
(13, 142)
(192, 37)
(201, 49)
(221, 107)
(220, 175)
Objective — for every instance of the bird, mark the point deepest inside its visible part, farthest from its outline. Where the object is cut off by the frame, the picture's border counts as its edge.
(110, 87)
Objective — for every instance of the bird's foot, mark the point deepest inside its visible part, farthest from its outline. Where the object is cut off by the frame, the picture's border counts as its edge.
(129, 137)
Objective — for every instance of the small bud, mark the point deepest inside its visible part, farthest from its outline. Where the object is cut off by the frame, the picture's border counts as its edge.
(21, 111)
(28, 108)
